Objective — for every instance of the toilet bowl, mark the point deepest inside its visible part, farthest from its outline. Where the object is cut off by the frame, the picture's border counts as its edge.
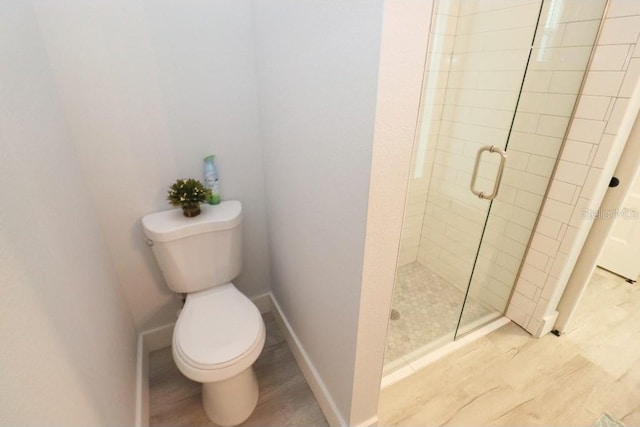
(219, 333)
(218, 336)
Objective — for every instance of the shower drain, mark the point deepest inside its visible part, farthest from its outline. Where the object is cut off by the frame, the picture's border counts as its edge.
(395, 314)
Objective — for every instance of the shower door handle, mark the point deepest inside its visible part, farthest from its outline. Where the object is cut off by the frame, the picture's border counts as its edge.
(474, 175)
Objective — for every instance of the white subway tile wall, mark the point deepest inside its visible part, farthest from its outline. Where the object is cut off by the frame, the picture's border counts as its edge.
(436, 80)
(612, 78)
(488, 62)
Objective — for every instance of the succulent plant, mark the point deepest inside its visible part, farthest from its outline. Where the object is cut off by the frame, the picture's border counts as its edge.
(188, 193)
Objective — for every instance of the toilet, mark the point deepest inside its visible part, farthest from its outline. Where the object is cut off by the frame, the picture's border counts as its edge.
(219, 333)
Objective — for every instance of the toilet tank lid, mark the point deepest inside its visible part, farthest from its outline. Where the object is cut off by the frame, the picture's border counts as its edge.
(170, 225)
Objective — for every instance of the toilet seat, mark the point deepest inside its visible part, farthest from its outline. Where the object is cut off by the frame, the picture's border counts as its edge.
(219, 334)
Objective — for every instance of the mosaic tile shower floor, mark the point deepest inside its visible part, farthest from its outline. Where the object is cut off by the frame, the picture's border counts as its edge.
(425, 308)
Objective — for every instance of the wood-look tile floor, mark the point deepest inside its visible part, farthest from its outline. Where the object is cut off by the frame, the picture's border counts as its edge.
(285, 397)
(509, 378)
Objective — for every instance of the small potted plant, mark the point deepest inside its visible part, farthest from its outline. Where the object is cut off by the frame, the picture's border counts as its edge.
(188, 194)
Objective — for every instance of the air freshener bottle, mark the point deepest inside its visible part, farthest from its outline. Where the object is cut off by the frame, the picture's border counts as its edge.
(211, 179)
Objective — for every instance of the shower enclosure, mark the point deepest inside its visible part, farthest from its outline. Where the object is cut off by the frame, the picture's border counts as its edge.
(500, 86)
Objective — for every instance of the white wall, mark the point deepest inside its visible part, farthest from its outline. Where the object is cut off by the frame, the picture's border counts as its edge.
(405, 34)
(68, 341)
(317, 67)
(149, 89)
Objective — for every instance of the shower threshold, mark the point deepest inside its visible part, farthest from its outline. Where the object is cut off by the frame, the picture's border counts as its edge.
(422, 357)
(418, 353)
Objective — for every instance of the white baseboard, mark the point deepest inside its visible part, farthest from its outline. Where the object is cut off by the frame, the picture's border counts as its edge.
(148, 341)
(371, 422)
(320, 391)
(142, 385)
(263, 302)
(156, 339)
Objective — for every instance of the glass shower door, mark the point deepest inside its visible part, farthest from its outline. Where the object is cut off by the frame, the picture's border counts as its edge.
(475, 67)
(486, 144)
(563, 44)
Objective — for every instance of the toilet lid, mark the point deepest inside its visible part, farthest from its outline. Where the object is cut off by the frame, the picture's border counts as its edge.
(216, 327)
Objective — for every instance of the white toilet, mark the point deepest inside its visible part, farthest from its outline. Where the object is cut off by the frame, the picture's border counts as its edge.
(219, 333)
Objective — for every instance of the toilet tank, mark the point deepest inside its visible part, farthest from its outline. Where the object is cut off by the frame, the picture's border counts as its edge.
(199, 252)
